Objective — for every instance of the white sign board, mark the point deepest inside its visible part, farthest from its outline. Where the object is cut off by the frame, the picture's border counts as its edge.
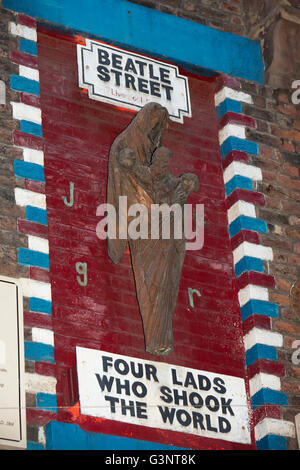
(12, 393)
(131, 80)
(162, 396)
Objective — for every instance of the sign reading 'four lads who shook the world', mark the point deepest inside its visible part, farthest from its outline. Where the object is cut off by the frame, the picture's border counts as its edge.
(162, 396)
(131, 80)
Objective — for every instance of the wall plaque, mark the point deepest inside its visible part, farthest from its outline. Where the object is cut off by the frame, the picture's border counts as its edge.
(131, 80)
(162, 396)
(12, 393)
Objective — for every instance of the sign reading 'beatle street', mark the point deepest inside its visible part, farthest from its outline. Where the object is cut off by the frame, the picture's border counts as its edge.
(162, 395)
(131, 80)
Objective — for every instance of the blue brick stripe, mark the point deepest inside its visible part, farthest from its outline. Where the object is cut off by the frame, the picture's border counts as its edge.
(191, 43)
(30, 127)
(46, 401)
(260, 351)
(40, 305)
(29, 170)
(69, 436)
(235, 143)
(259, 307)
(268, 396)
(19, 83)
(247, 223)
(272, 442)
(33, 258)
(34, 446)
(35, 214)
(39, 352)
(236, 182)
(247, 263)
(30, 47)
(228, 105)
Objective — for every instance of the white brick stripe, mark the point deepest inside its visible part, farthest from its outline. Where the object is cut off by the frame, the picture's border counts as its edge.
(29, 72)
(253, 250)
(231, 130)
(33, 156)
(25, 197)
(27, 112)
(42, 335)
(242, 169)
(263, 380)
(256, 335)
(33, 288)
(23, 31)
(261, 336)
(233, 95)
(42, 435)
(252, 292)
(38, 244)
(278, 427)
(240, 208)
(35, 383)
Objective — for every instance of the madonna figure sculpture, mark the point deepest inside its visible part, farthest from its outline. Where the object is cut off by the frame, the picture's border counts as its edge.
(138, 169)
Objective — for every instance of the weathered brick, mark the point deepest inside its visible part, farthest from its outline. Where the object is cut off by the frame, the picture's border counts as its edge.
(280, 257)
(291, 207)
(30, 400)
(294, 260)
(260, 138)
(291, 170)
(27, 334)
(294, 220)
(295, 372)
(269, 175)
(232, 8)
(273, 217)
(279, 243)
(293, 233)
(282, 270)
(289, 313)
(286, 327)
(283, 285)
(258, 113)
(287, 145)
(8, 223)
(290, 387)
(289, 182)
(265, 151)
(273, 203)
(12, 269)
(29, 367)
(288, 109)
(290, 134)
(280, 299)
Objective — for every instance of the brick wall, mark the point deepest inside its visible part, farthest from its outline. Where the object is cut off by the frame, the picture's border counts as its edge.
(278, 136)
(278, 133)
(77, 134)
(226, 15)
(10, 239)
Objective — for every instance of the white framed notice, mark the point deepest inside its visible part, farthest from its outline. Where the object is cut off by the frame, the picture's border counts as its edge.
(131, 80)
(12, 390)
(163, 396)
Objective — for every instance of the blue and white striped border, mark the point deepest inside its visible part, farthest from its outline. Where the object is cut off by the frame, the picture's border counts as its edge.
(270, 433)
(41, 348)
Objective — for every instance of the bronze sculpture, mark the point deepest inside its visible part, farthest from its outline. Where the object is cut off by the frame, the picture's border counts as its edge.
(138, 169)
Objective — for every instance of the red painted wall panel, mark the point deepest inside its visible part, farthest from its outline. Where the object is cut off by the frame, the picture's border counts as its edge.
(78, 133)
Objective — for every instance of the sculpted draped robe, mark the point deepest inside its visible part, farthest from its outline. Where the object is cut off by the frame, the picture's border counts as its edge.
(156, 263)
